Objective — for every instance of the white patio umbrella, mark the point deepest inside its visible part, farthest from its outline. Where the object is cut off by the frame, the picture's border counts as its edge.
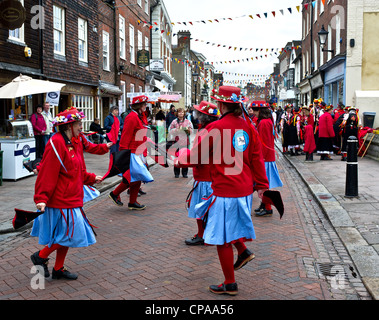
(24, 86)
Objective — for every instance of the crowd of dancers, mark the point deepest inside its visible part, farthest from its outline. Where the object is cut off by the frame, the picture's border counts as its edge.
(221, 198)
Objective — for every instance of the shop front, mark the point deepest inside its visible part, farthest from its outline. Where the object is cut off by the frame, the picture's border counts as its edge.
(82, 97)
(317, 84)
(334, 78)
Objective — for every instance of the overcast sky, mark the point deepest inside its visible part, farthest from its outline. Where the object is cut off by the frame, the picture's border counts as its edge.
(243, 32)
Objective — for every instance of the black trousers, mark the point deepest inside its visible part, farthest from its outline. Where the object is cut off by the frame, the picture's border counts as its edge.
(177, 171)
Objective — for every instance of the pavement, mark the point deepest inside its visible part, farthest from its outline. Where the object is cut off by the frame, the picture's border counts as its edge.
(141, 254)
(356, 220)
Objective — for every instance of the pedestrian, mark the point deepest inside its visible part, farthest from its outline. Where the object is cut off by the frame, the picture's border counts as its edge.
(39, 128)
(233, 149)
(59, 195)
(204, 114)
(266, 130)
(170, 116)
(294, 132)
(99, 131)
(284, 126)
(325, 134)
(179, 132)
(134, 138)
(308, 133)
(110, 121)
(349, 127)
(49, 123)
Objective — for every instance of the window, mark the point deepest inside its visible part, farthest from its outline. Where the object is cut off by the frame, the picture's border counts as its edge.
(147, 7)
(321, 56)
(59, 30)
(17, 34)
(315, 10)
(139, 3)
(83, 40)
(315, 51)
(106, 51)
(122, 37)
(85, 104)
(147, 43)
(131, 45)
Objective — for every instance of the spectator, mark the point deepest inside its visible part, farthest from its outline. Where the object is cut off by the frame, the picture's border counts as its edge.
(96, 127)
(48, 119)
(170, 116)
(109, 120)
(39, 128)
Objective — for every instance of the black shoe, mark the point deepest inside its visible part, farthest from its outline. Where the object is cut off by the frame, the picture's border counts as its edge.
(64, 273)
(195, 241)
(176, 176)
(260, 208)
(231, 289)
(116, 199)
(136, 206)
(264, 212)
(185, 176)
(244, 258)
(38, 261)
(141, 192)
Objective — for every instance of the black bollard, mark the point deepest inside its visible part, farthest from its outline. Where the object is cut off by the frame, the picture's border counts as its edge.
(351, 187)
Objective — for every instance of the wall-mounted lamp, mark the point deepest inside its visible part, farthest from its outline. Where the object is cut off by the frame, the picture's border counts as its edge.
(323, 37)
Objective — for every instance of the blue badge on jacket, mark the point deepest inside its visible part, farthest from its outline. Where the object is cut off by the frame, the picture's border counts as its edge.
(240, 141)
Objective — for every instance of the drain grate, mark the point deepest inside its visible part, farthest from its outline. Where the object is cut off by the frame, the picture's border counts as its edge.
(333, 270)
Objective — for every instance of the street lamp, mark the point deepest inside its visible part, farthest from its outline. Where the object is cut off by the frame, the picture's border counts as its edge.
(323, 37)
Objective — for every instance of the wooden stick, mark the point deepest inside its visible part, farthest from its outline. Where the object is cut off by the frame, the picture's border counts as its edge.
(363, 143)
(373, 135)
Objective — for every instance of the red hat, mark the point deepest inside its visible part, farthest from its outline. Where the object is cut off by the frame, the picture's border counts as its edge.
(227, 94)
(140, 99)
(259, 104)
(208, 108)
(70, 115)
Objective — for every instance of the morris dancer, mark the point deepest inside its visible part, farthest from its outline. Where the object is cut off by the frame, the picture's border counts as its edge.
(237, 169)
(59, 194)
(267, 133)
(205, 113)
(134, 138)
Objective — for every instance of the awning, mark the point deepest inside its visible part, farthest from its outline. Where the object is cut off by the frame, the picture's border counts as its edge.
(160, 85)
(25, 86)
(107, 88)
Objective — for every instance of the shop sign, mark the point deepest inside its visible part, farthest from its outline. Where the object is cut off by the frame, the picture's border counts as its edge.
(12, 14)
(157, 65)
(143, 58)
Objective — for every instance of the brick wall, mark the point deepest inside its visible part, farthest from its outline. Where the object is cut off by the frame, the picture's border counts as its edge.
(68, 67)
(323, 16)
(12, 52)
(106, 22)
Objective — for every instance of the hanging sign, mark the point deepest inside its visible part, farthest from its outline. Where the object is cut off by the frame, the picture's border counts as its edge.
(143, 58)
(12, 14)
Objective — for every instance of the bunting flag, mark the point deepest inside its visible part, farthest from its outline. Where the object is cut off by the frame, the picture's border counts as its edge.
(259, 15)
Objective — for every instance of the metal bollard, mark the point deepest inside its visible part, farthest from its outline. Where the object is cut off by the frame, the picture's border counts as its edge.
(351, 186)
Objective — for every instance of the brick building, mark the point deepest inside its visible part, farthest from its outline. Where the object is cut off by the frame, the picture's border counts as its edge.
(323, 69)
(13, 61)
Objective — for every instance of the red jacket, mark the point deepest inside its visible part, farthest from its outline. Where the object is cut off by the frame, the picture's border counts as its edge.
(39, 123)
(325, 126)
(202, 172)
(233, 149)
(133, 135)
(266, 132)
(56, 187)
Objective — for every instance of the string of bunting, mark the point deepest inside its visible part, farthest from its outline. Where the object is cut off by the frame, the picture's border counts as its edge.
(252, 16)
(274, 14)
